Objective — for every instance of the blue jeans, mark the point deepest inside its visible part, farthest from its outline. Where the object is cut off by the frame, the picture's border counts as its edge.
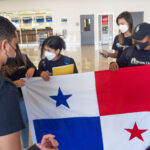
(25, 131)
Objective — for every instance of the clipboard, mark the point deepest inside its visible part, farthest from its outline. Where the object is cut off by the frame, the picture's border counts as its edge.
(62, 70)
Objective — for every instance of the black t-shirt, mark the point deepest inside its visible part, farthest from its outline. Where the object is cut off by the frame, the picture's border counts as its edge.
(118, 47)
(46, 65)
(22, 69)
(10, 116)
(134, 57)
(20, 73)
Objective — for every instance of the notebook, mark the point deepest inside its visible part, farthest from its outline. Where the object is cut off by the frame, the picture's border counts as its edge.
(62, 70)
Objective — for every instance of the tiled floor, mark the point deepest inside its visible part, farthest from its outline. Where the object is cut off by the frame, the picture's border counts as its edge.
(87, 57)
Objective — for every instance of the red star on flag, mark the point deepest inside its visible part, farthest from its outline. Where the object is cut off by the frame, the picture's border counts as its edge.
(135, 132)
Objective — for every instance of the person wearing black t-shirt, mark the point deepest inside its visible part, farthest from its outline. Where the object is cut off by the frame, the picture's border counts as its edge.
(51, 50)
(119, 48)
(22, 67)
(136, 55)
(124, 39)
(10, 116)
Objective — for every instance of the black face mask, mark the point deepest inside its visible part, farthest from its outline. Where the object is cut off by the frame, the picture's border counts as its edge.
(10, 60)
(140, 45)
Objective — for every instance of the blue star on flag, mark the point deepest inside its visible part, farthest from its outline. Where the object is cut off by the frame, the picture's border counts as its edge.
(61, 99)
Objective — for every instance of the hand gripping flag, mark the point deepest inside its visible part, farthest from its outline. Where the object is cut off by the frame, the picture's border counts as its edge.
(102, 110)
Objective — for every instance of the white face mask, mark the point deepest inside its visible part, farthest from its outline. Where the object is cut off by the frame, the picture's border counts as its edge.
(123, 28)
(49, 55)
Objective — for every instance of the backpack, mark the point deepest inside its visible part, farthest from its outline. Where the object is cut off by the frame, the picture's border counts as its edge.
(130, 51)
(66, 60)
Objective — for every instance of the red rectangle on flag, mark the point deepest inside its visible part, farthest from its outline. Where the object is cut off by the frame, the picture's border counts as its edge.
(123, 91)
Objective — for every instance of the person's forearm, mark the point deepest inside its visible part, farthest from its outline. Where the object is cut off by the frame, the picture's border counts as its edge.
(112, 55)
(10, 141)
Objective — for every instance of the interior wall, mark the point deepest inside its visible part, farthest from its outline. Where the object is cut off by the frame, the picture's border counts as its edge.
(72, 9)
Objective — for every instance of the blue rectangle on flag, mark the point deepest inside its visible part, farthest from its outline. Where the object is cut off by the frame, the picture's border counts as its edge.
(83, 133)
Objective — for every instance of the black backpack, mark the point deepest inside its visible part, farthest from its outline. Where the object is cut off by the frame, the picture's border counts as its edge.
(66, 60)
(130, 51)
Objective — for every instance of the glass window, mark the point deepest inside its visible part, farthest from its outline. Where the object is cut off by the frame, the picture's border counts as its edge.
(49, 19)
(87, 23)
(27, 20)
(39, 19)
(15, 20)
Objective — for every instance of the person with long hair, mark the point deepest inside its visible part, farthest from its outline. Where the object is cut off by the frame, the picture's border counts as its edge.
(136, 55)
(124, 39)
(22, 67)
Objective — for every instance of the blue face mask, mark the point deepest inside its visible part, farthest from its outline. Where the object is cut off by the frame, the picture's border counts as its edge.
(140, 45)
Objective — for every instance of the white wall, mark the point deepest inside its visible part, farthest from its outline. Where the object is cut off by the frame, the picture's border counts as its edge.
(72, 9)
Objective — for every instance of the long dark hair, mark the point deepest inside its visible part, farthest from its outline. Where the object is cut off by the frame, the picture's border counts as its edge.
(8, 70)
(127, 16)
(54, 42)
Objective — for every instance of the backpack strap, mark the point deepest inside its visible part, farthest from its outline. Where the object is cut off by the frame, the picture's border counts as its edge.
(130, 51)
(67, 60)
(24, 58)
(44, 63)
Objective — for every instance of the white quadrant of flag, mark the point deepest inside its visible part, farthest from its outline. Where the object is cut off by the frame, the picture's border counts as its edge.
(82, 103)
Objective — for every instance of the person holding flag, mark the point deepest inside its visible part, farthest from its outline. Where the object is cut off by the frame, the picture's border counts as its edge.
(136, 55)
(124, 39)
(51, 51)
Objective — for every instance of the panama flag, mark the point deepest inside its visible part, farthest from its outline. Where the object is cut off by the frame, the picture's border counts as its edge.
(102, 110)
